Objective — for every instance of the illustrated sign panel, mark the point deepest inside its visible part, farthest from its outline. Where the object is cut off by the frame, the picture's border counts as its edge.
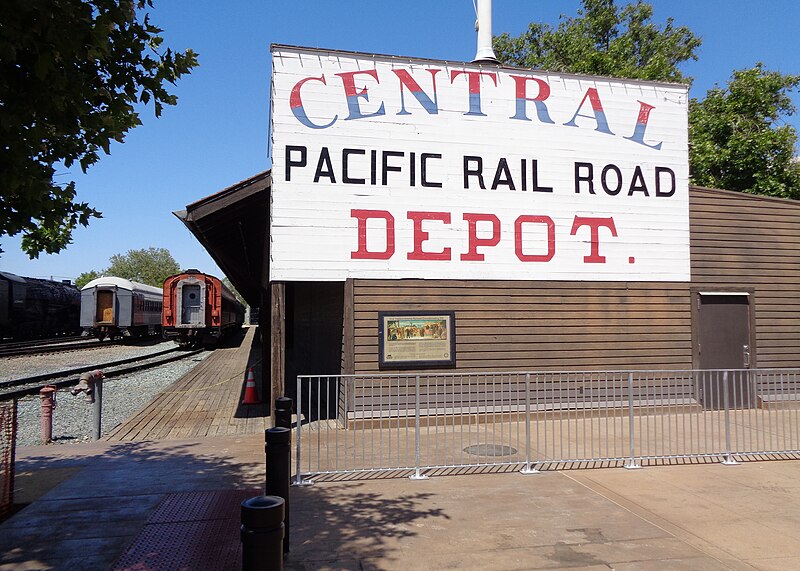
(414, 339)
(388, 167)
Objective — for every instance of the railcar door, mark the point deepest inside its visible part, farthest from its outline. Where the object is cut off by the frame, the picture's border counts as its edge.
(192, 305)
(105, 307)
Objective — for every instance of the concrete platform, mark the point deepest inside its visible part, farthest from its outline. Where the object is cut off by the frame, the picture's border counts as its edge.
(154, 505)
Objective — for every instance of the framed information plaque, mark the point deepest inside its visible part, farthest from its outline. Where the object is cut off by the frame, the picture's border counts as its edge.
(414, 339)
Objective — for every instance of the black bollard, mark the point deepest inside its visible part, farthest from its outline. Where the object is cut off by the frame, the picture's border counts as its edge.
(283, 412)
(279, 470)
(262, 533)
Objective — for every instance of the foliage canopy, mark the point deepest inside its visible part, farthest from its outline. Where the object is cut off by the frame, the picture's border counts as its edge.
(151, 266)
(738, 138)
(604, 40)
(72, 73)
(235, 292)
(86, 277)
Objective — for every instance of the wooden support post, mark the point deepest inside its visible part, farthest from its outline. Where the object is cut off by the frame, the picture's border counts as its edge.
(277, 340)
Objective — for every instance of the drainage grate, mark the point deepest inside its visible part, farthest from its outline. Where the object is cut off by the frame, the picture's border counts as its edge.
(490, 450)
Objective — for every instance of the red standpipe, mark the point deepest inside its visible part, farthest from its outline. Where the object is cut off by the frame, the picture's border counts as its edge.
(48, 396)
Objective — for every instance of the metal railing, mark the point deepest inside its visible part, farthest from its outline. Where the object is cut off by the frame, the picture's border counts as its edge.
(542, 420)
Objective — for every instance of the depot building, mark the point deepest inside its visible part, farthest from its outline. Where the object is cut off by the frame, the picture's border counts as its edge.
(424, 215)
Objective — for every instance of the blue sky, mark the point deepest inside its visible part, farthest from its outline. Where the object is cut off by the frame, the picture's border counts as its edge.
(217, 134)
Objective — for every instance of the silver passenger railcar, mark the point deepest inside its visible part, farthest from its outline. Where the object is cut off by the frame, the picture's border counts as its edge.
(116, 307)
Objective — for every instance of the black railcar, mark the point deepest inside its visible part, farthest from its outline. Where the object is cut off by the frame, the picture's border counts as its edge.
(32, 307)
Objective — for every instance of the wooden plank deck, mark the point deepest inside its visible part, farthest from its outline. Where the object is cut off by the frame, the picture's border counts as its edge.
(206, 401)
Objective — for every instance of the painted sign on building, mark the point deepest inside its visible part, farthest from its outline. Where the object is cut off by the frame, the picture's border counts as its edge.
(389, 167)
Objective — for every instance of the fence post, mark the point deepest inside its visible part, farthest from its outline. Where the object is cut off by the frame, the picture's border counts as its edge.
(278, 448)
(728, 461)
(261, 533)
(632, 464)
(417, 475)
(345, 409)
(528, 469)
(298, 478)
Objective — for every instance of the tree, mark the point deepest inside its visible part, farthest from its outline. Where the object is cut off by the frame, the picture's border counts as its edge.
(72, 73)
(604, 40)
(227, 283)
(86, 277)
(738, 140)
(151, 266)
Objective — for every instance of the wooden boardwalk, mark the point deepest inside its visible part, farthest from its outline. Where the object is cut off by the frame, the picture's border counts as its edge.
(205, 401)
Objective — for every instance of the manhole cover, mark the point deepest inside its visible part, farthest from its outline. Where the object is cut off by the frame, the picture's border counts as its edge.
(490, 450)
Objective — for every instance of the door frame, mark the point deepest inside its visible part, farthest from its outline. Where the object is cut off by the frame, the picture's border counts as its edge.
(202, 302)
(695, 293)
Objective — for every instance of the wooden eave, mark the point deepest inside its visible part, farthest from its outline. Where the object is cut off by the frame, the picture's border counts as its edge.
(233, 226)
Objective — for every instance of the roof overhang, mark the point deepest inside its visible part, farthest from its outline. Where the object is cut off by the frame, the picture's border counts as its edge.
(233, 226)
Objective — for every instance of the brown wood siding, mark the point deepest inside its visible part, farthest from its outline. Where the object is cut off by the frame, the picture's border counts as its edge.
(539, 325)
(737, 241)
(744, 241)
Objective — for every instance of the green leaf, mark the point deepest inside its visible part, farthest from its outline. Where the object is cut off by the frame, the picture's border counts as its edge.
(604, 39)
(72, 71)
(737, 137)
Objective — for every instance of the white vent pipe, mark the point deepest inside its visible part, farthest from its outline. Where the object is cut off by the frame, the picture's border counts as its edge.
(483, 25)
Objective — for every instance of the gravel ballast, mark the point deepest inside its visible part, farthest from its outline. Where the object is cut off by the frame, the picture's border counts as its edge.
(73, 416)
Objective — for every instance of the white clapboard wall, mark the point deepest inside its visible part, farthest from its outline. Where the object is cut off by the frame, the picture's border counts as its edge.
(351, 135)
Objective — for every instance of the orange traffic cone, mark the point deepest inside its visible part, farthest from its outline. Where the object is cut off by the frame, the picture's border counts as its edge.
(250, 391)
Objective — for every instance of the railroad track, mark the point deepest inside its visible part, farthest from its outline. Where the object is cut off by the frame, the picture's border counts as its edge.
(49, 346)
(18, 388)
(30, 342)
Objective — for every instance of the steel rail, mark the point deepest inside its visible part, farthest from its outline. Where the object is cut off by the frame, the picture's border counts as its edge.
(31, 342)
(50, 347)
(31, 385)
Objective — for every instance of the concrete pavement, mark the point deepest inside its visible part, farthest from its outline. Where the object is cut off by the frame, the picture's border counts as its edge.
(97, 514)
(671, 517)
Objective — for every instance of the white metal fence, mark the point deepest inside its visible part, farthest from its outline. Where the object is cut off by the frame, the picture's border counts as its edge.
(541, 420)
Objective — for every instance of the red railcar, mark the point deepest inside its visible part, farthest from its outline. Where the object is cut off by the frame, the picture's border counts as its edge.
(199, 309)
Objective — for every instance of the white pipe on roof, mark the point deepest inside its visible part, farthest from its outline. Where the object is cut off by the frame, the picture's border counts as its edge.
(483, 25)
